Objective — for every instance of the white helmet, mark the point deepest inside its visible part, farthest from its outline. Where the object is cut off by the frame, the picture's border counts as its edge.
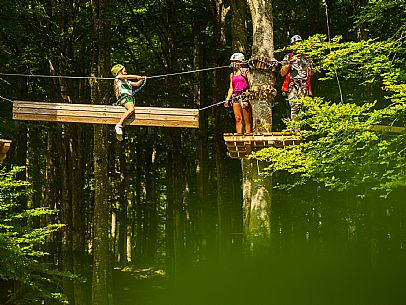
(237, 57)
(295, 38)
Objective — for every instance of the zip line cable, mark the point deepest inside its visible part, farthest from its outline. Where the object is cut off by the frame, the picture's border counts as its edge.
(200, 109)
(6, 99)
(215, 104)
(110, 78)
(187, 72)
(329, 40)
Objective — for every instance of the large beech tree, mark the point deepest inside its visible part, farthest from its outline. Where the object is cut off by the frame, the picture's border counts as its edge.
(257, 193)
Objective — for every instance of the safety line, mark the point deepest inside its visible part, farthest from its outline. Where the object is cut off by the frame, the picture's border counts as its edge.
(215, 104)
(200, 109)
(188, 72)
(109, 78)
(6, 99)
(329, 40)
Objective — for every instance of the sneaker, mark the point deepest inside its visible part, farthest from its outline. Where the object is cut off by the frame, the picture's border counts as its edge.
(119, 132)
(119, 129)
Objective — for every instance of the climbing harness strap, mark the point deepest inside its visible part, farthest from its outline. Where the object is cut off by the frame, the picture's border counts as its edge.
(138, 89)
(123, 97)
(239, 97)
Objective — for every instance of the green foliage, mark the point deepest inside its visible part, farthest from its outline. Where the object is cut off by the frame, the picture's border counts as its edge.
(383, 18)
(20, 245)
(339, 151)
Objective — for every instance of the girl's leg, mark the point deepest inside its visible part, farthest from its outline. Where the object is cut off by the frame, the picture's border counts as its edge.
(130, 110)
(247, 119)
(238, 117)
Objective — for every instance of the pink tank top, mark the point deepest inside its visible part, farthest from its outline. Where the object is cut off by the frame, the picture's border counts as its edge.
(239, 83)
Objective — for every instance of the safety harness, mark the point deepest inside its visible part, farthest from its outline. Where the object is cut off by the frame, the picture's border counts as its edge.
(305, 85)
(127, 94)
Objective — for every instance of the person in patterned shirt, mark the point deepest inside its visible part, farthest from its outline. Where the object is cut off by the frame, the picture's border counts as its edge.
(297, 71)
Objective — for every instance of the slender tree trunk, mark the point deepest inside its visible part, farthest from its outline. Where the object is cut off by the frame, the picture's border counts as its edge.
(66, 212)
(257, 193)
(78, 215)
(175, 208)
(122, 220)
(201, 167)
(239, 25)
(151, 200)
(52, 188)
(357, 7)
(101, 293)
(220, 11)
(34, 158)
(139, 211)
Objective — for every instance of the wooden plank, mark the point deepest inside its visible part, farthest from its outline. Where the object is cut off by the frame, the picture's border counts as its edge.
(4, 147)
(107, 115)
(104, 114)
(237, 155)
(240, 146)
(88, 120)
(102, 108)
(24, 107)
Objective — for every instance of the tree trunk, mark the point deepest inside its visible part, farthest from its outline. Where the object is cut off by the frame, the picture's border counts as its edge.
(52, 188)
(78, 215)
(122, 219)
(357, 6)
(201, 166)
(262, 23)
(101, 293)
(219, 92)
(239, 25)
(151, 200)
(66, 211)
(256, 209)
(257, 193)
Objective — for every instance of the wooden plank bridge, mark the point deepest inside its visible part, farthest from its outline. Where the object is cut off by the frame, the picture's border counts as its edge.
(241, 145)
(104, 114)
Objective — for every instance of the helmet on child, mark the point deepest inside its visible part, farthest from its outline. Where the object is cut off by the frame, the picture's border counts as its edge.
(295, 38)
(237, 57)
(117, 68)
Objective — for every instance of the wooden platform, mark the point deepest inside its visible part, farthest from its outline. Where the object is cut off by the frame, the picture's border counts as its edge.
(104, 114)
(240, 146)
(4, 147)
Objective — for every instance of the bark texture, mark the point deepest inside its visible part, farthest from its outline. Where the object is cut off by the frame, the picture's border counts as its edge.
(262, 23)
(257, 193)
(101, 267)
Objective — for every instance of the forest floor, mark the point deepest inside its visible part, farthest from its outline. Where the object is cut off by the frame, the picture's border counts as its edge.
(138, 286)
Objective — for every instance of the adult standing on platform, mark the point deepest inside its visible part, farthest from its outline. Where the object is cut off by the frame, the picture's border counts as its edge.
(297, 72)
(236, 96)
